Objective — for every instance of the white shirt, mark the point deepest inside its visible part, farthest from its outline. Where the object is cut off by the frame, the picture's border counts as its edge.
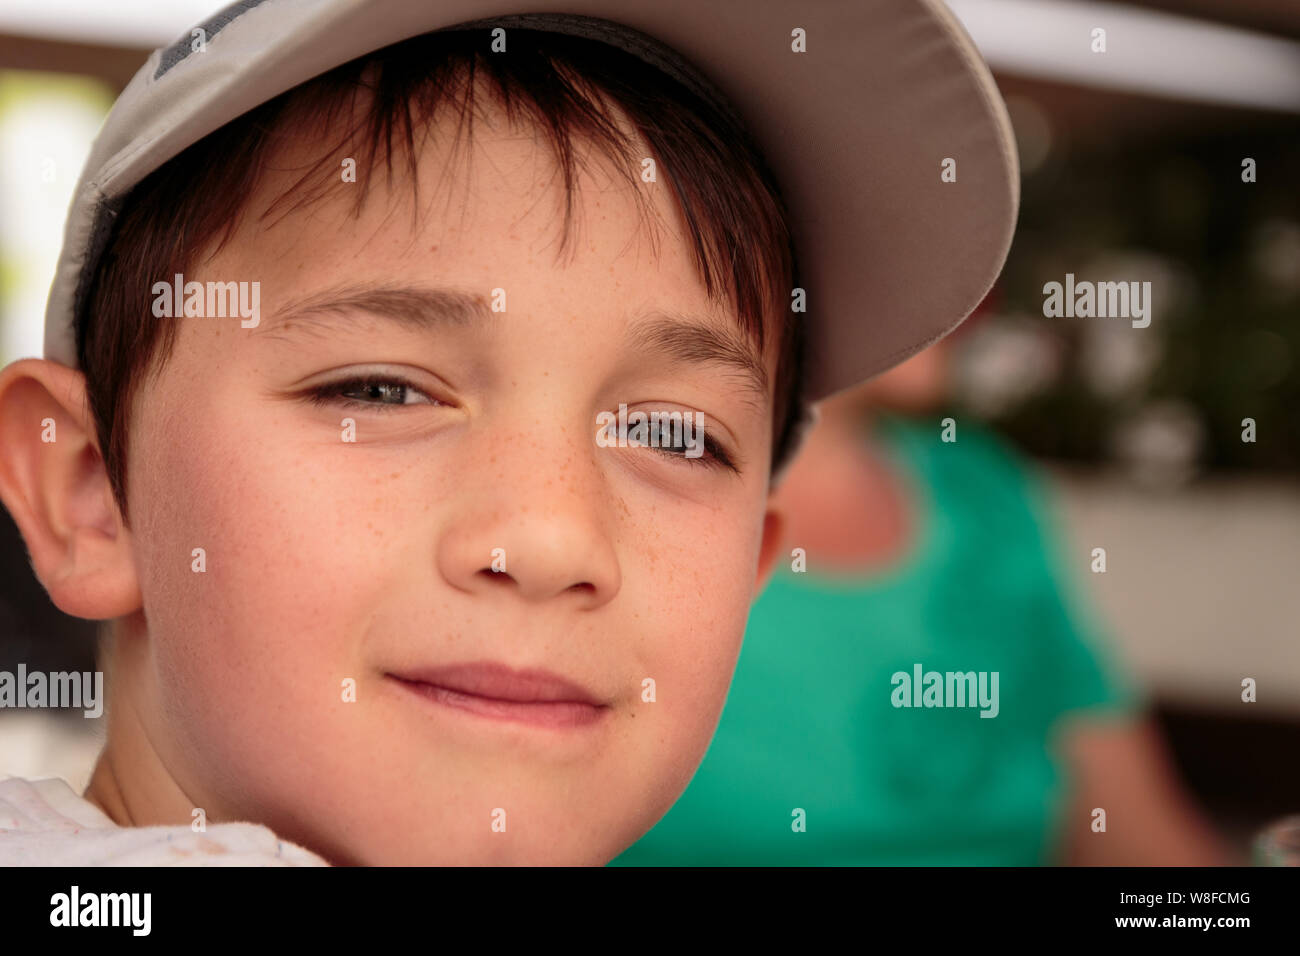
(44, 823)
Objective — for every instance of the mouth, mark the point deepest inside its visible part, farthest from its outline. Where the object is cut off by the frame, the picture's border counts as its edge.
(498, 692)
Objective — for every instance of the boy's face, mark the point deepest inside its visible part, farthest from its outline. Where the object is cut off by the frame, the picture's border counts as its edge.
(371, 561)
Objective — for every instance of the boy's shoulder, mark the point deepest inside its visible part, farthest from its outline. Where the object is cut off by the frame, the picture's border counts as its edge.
(44, 823)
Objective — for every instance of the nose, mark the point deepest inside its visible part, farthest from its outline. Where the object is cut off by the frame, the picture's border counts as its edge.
(533, 520)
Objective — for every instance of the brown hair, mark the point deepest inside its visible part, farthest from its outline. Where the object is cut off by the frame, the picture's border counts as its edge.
(727, 196)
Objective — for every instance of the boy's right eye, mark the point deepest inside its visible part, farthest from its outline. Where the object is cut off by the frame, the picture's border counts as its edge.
(371, 392)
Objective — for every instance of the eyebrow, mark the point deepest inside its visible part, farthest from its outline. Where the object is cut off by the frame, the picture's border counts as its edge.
(688, 340)
(420, 308)
(698, 342)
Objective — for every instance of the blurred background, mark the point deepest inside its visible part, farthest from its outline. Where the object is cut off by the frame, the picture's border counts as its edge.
(1132, 164)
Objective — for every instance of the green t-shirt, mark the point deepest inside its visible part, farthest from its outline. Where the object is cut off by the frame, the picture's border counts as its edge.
(810, 723)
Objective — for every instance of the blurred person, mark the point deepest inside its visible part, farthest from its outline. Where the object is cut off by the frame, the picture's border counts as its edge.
(942, 554)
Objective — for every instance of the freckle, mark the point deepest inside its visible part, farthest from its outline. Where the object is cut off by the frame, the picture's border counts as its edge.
(396, 474)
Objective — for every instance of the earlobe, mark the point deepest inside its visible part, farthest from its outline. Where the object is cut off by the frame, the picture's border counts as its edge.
(54, 483)
(770, 549)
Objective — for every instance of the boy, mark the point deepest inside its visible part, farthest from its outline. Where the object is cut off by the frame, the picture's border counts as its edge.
(390, 576)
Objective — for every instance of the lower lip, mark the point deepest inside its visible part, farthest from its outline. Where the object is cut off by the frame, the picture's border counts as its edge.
(557, 714)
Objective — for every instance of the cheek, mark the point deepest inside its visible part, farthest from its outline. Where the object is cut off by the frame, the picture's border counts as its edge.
(265, 634)
(696, 593)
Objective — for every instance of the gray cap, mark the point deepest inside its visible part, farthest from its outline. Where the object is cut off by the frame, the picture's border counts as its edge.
(856, 129)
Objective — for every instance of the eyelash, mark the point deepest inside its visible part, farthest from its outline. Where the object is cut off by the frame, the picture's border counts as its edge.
(332, 393)
(714, 456)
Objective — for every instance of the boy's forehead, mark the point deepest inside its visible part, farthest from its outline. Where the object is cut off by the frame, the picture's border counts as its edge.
(483, 212)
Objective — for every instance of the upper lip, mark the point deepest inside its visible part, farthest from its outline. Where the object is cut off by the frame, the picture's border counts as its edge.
(502, 682)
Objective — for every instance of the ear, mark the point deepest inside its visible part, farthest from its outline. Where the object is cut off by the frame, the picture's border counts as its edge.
(773, 538)
(54, 483)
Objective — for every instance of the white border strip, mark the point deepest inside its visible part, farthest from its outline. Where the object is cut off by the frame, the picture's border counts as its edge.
(1146, 52)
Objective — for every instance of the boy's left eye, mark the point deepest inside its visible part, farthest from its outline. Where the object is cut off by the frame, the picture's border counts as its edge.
(371, 391)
